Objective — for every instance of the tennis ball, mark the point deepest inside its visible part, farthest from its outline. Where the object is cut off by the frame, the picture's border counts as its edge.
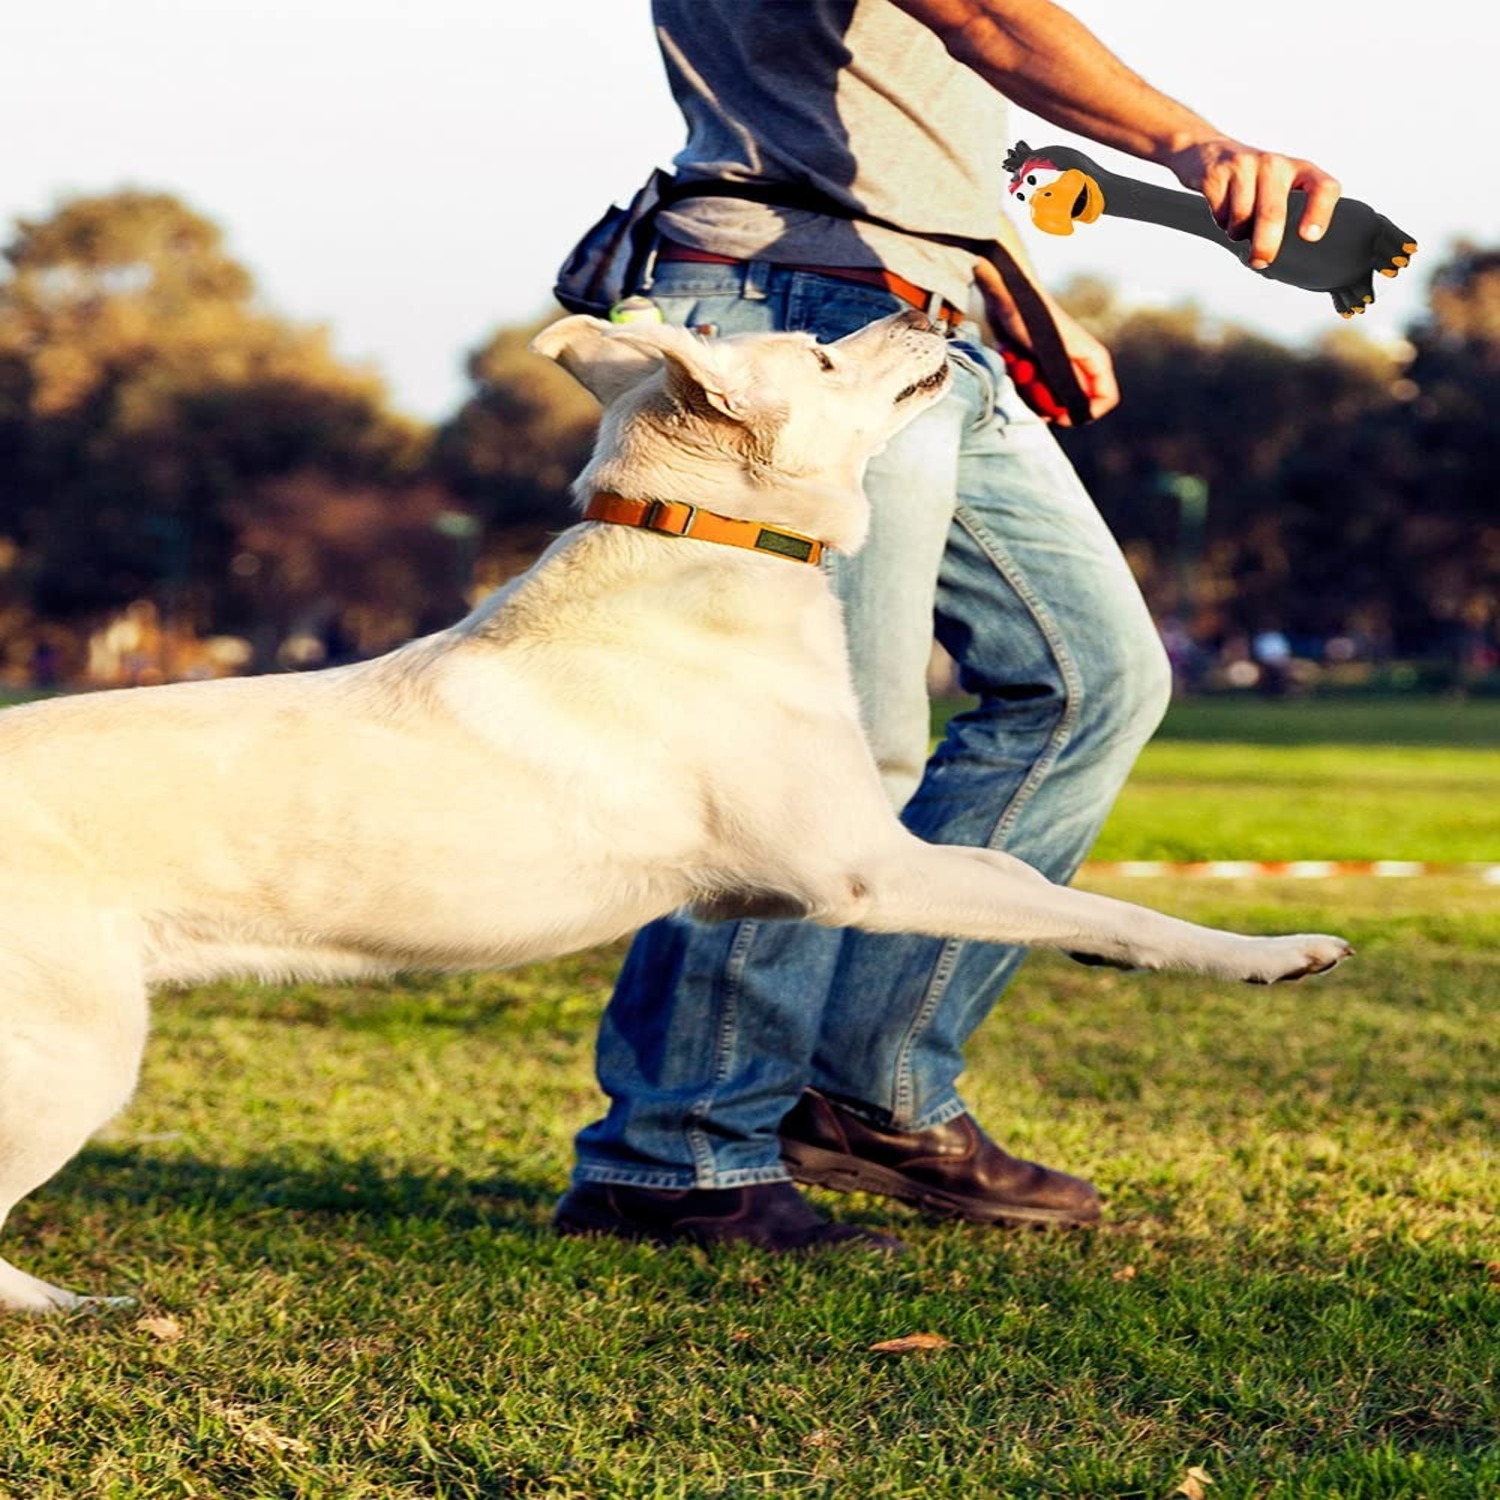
(635, 310)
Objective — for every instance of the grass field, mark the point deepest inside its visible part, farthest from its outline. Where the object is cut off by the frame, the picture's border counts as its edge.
(1408, 779)
(1357, 779)
(333, 1207)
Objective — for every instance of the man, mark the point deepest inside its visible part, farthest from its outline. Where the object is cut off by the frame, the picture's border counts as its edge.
(738, 1055)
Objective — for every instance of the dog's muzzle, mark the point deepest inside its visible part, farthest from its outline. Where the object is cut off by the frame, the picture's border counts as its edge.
(930, 382)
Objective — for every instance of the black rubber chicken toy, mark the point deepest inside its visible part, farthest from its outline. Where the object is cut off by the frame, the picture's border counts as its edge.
(1061, 187)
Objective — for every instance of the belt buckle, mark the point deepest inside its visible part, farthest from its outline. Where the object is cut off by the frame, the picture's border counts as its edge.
(946, 316)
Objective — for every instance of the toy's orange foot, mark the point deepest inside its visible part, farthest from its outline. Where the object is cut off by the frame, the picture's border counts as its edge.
(1389, 251)
(1355, 298)
(1392, 249)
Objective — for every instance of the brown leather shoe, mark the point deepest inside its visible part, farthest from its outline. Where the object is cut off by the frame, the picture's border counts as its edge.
(773, 1216)
(953, 1169)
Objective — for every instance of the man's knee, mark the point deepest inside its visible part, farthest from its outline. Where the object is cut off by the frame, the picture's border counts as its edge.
(1124, 688)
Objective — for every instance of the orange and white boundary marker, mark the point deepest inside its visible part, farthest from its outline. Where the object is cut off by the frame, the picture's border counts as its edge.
(1292, 869)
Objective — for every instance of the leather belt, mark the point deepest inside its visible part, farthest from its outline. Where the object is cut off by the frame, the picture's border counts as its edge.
(934, 306)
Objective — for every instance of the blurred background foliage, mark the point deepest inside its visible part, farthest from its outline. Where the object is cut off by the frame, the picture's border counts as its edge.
(190, 484)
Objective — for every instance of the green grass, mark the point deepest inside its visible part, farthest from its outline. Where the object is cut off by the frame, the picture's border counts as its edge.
(1411, 779)
(1190, 800)
(1382, 722)
(341, 1197)
(1231, 778)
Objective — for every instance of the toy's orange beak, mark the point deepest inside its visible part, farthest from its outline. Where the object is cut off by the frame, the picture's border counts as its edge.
(1075, 195)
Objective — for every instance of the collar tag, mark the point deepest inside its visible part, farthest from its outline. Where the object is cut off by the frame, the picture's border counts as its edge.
(785, 544)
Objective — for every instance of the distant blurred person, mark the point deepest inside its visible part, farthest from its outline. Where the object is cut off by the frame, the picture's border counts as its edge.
(1272, 653)
(45, 661)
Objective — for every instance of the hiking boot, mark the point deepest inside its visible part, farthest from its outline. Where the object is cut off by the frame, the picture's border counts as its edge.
(954, 1169)
(772, 1216)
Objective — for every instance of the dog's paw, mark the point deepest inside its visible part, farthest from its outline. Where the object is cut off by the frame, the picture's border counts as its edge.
(1275, 959)
(100, 1305)
(21, 1293)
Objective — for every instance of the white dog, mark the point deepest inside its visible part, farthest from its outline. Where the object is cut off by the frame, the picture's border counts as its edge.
(643, 721)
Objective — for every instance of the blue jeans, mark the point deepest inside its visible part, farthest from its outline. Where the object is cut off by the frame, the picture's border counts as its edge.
(980, 524)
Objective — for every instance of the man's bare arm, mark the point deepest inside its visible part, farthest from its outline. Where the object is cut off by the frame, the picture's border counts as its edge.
(1049, 62)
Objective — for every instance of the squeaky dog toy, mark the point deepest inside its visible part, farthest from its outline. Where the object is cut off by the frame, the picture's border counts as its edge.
(1061, 187)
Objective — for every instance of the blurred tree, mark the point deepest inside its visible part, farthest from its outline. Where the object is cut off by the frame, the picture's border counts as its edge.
(142, 390)
(340, 568)
(1409, 550)
(1436, 458)
(1464, 316)
(1287, 530)
(513, 448)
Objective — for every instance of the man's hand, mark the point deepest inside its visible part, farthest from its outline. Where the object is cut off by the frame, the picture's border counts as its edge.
(1247, 191)
(1092, 365)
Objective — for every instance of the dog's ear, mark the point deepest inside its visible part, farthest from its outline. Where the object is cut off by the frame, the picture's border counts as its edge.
(588, 349)
(696, 368)
(609, 359)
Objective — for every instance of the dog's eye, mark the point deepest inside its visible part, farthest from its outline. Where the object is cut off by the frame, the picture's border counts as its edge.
(822, 359)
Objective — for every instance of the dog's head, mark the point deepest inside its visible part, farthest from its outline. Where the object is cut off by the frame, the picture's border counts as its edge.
(767, 426)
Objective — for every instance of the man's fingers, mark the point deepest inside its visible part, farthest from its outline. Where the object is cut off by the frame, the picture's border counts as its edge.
(1278, 176)
(1238, 210)
(1273, 183)
(1247, 191)
(1097, 376)
(1274, 178)
(1322, 198)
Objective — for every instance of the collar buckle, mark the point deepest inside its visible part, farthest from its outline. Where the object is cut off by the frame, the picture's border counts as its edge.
(657, 509)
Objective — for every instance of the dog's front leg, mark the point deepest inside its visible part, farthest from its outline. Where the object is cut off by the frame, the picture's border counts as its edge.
(947, 891)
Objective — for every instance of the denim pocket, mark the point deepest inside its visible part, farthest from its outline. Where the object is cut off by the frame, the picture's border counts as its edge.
(681, 310)
(830, 308)
(710, 298)
(975, 361)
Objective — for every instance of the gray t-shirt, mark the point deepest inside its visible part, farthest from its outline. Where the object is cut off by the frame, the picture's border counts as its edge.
(852, 97)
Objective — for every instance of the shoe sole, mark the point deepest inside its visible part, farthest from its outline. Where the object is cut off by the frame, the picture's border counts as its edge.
(848, 1174)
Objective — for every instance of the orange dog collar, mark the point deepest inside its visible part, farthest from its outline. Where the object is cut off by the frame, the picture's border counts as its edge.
(677, 518)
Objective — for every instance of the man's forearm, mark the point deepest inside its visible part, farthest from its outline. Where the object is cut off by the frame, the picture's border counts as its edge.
(1037, 54)
(1047, 61)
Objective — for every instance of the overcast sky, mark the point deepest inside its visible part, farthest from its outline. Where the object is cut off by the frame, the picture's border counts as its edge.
(411, 172)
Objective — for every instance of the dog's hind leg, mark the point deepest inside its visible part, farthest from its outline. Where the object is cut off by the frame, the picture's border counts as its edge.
(72, 1029)
(947, 891)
